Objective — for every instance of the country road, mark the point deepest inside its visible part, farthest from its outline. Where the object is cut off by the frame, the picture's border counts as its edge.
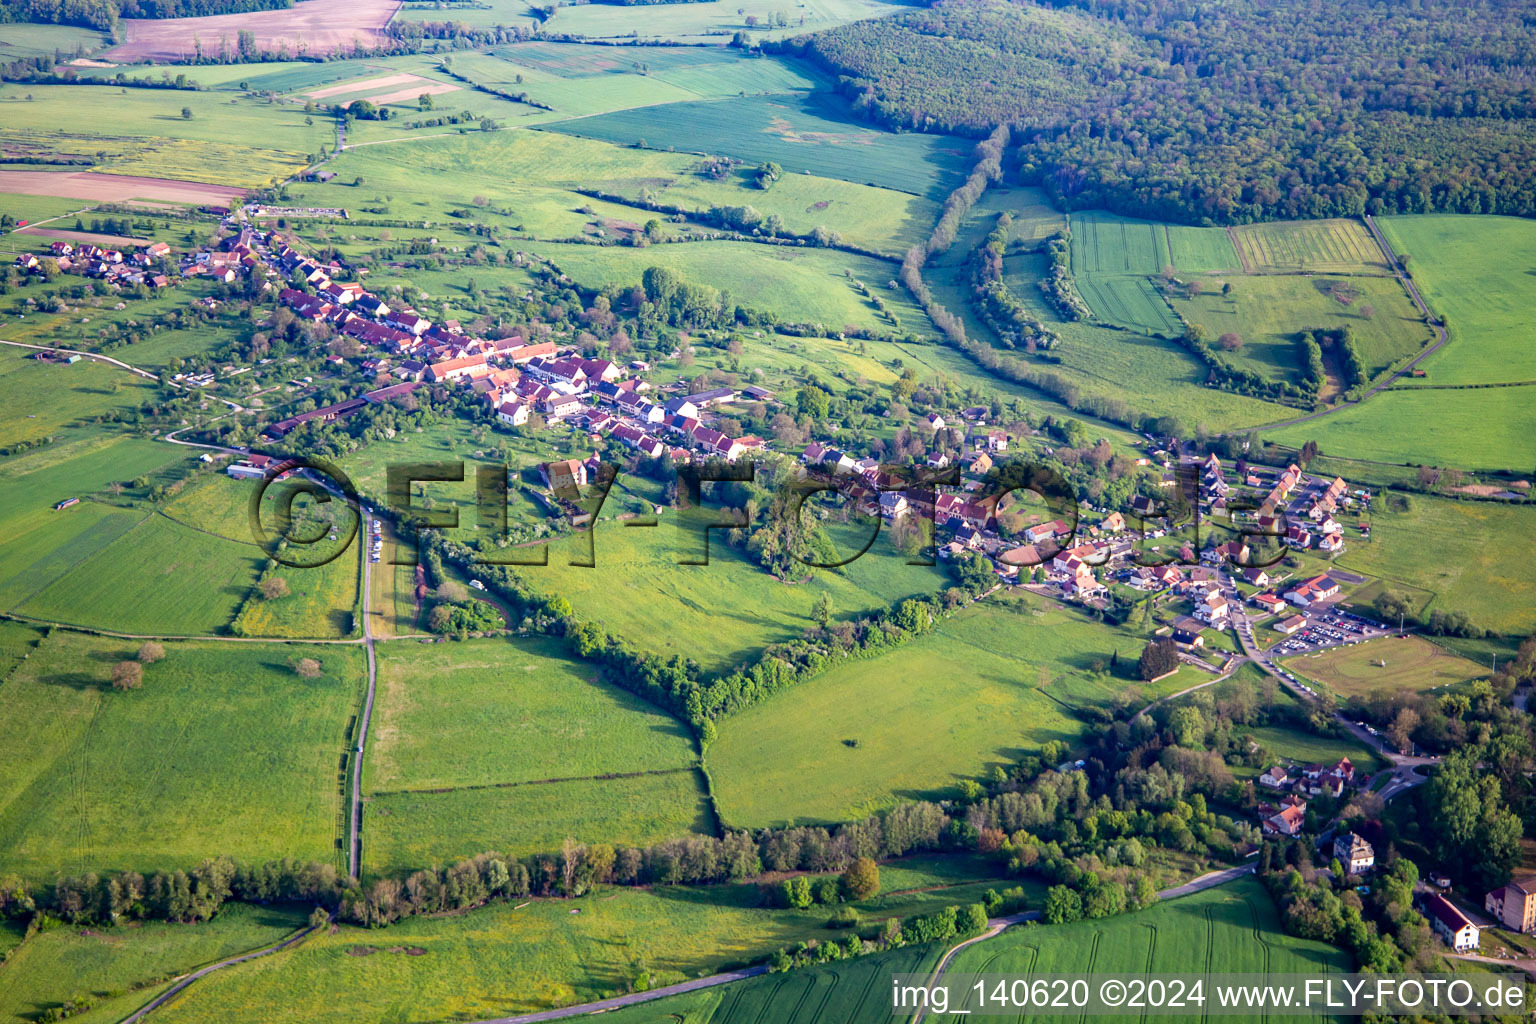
(176, 989)
(355, 816)
(1418, 300)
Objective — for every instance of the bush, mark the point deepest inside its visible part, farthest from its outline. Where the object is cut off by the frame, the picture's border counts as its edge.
(273, 588)
(127, 675)
(862, 879)
(150, 652)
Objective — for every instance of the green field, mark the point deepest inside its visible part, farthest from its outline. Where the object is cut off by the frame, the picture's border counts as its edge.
(1107, 244)
(405, 831)
(721, 614)
(983, 689)
(485, 712)
(1294, 745)
(712, 21)
(1392, 663)
(1474, 556)
(1231, 929)
(19, 40)
(119, 969)
(512, 746)
(506, 959)
(1309, 245)
(802, 133)
(1268, 311)
(224, 750)
(143, 132)
(802, 285)
(854, 992)
(1475, 271)
(158, 577)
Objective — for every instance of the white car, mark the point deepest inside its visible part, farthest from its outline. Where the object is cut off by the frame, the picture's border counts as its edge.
(476, 584)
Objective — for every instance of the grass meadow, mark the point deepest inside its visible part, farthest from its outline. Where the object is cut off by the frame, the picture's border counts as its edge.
(1477, 272)
(1231, 929)
(119, 969)
(1391, 663)
(223, 750)
(405, 831)
(712, 21)
(19, 40)
(157, 577)
(721, 614)
(1268, 311)
(1294, 745)
(504, 711)
(1474, 556)
(983, 689)
(810, 133)
(803, 285)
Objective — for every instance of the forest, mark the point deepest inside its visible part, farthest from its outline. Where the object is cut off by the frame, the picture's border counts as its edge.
(1218, 113)
(103, 14)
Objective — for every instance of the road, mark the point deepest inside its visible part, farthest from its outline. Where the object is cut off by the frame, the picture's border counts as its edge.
(997, 925)
(1391, 378)
(85, 355)
(355, 846)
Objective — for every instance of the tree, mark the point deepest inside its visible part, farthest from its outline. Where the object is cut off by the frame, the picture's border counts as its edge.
(1158, 658)
(424, 101)
(861, 879)
(309, 668)
(1230, 341)
(127, 675)
(1309, 453)
(1062, 905)
(273, 588)
(150, 652)
(186, 113)
(822, 611)
(812, 401)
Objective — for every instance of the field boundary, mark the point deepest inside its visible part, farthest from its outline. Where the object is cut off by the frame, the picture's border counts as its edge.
(604, 777)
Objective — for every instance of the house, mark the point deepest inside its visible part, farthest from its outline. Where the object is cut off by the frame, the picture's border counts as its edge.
(1357, 855)
(560, 406)
(1286, 822)
(893, 505)
(1318, 588)
(1113, 523)
(1256, 577)
(253, 468)
(453, 369)
(1083, 585)
(408, 322)
(1047, 531)
(934, 421)
(513, 414)
(1213, 610)
(563, 475)
(1275, 778)
(1290, 625)
(1449, 923)
(1188, 638)
(682, 407)
(1514, 905)
(997, 441)
(1269, 603)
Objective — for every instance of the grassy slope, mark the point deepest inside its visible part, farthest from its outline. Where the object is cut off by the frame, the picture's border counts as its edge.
(1408, 663)
(225, 750)
(995, 681)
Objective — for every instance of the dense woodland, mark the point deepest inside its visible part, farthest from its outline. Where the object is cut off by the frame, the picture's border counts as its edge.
(1228, 112)
(103, 14)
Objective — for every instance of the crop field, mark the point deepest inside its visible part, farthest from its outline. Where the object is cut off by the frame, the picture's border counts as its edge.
(505, 959)
(1231, 929)
(800, 284)
(158, 577)
(802, 133)
(1391, 663)
(1268, 311)
(1132, 302)
(916, 721)
(118, 969)
(722, 71)
(408, 830)
(470, 12)
(1476, 272)
(504, 711)
(224, 748)
(110, 188)
(1474, 556)
(1320, 245)
(1104, 243)
(313, 27)
(855, 992)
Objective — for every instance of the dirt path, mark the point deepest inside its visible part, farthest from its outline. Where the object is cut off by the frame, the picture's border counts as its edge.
(355, 816)
(176, 989)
